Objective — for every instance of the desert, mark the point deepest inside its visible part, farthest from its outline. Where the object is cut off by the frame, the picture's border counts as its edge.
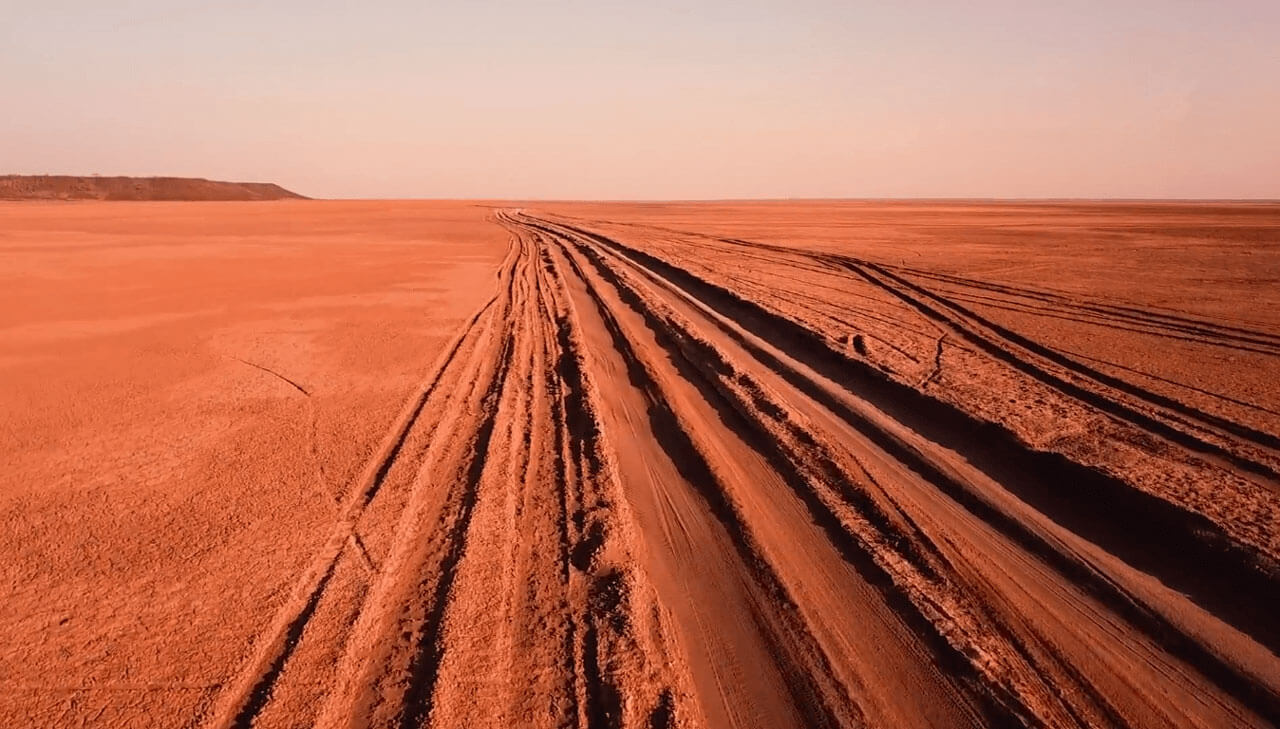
(888, 463)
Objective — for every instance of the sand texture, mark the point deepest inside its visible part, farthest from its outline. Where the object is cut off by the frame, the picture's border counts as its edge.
(805, 464)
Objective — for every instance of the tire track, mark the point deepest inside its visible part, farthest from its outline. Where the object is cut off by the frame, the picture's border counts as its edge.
(508, 582)
(1250, 452)
(387, 672)
(1023, 354)
(1176, 324)
(1170, 321)
(246, 694)
(1167, 634)
(634, 497)
(1143, 528)
(723, 500)
(675, 438)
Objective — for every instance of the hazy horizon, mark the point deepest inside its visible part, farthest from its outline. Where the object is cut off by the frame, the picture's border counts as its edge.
(568, 100)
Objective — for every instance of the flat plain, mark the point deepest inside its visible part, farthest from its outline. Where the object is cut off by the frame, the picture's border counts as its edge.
(784, 464)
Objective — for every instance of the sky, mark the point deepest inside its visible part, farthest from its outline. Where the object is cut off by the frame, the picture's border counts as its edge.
(652, 100)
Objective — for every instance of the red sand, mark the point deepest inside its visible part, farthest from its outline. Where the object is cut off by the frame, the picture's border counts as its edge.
(775, 464)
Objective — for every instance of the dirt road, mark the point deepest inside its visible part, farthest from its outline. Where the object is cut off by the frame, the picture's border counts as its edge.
(664, 477)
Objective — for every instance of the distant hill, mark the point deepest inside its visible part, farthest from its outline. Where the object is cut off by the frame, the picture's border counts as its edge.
(65, 187)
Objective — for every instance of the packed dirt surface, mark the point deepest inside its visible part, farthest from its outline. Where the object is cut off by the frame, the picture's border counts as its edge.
(689, 465)
(65, 187)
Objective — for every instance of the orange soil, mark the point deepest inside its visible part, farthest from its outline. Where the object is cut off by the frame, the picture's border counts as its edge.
(773, 464)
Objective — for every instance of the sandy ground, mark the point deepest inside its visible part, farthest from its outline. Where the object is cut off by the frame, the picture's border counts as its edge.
(778, 464)
(187, 390)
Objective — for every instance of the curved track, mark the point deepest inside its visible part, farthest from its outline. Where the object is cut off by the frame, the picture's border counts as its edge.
(632, 496)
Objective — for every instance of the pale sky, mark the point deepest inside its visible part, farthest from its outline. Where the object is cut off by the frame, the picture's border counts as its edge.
(657, 99)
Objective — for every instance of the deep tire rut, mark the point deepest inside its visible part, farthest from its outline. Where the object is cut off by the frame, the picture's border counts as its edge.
(630, 496)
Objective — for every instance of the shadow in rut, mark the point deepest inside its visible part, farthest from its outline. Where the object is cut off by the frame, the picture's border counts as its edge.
(1186, 551)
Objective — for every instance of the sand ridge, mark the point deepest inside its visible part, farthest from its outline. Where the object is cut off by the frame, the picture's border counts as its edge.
(94, 187)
